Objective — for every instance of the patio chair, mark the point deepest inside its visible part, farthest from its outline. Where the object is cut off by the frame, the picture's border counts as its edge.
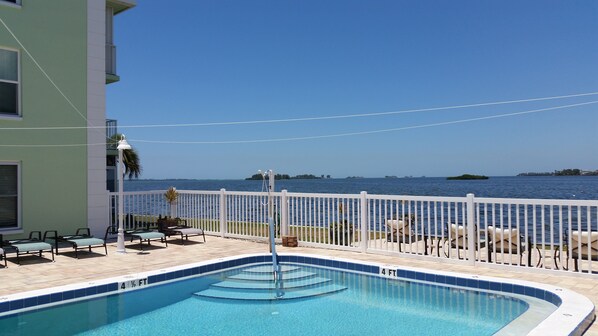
(401, 231)
(31, 245)
(82, 239)
(507, 241)
(456, 238)
(584, 246)
(180, 228)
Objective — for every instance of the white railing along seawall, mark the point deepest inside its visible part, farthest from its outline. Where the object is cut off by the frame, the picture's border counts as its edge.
(560, 235)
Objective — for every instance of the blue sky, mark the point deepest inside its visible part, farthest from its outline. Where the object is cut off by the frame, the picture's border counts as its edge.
(227, 61)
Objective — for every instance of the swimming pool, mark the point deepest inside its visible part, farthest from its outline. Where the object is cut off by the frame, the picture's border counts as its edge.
(362, 298)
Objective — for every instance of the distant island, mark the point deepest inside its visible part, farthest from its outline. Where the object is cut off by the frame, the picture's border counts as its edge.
(288, 177)
(564, 172)
(468, 177)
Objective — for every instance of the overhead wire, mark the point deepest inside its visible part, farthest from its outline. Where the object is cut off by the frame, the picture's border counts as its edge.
(367, 132)
(317, 118)
(460, 121)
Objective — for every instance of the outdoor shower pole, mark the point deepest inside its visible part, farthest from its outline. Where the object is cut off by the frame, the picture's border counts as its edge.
(120, 240)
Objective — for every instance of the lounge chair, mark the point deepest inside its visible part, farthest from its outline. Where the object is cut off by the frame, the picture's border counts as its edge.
(2, 256)
(584, 246)
(80, 240)
(456, 236)
(181, 228)
(146, 235)
(33, 244)
(507, 241)
(401, 231)
(141, 234)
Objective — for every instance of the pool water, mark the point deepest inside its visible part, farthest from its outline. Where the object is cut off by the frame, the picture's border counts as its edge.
(369, 304)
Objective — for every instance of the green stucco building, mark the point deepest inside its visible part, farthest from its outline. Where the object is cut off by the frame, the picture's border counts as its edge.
(55, 59)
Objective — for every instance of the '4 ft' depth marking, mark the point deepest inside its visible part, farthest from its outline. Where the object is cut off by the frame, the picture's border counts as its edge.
(132, 284)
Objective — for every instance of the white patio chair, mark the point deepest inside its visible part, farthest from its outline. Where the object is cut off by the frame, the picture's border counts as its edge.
(508, 241)
(584, 245)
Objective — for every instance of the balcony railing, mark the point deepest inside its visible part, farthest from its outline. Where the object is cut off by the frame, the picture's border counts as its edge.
(111, 130)
(530, 234)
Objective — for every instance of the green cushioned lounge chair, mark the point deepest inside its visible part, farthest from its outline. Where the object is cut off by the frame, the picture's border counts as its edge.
(82, 239)
(145, 235)
(142, 235)
(32, 245)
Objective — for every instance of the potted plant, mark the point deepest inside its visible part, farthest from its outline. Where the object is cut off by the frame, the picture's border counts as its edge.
(171, 197)
(342, 230)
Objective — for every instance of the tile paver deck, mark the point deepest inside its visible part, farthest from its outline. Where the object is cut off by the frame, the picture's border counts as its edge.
(36, 273)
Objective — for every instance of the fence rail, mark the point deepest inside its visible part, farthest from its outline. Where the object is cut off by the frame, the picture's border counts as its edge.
(560, 235)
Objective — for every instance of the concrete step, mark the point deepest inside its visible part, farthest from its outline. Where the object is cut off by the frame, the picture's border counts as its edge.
(269, 295)
(268, 269)
(261, 285)
(296, 275)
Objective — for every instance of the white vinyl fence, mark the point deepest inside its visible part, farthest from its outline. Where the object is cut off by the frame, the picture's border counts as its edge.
(560, 235)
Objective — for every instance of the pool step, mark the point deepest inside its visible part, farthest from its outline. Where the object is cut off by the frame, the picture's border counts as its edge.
(257, 284)
(269, 295)
(296, 275)
(268, 269)
(270, 284)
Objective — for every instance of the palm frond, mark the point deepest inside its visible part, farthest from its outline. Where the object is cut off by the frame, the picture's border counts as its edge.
(131, 159)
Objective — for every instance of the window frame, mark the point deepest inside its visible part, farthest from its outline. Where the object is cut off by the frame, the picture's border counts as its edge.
(18, 115)
(16, 4)
(19, 227)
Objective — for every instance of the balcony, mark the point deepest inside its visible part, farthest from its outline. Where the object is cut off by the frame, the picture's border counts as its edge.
(121, 5)
(111, 130)
(111, 75)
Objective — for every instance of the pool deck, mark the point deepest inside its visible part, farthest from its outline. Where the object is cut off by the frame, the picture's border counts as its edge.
(36, 273)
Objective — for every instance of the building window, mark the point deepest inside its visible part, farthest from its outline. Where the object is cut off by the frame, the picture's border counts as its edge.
(9, 196)
(16, 2)
(9, 82)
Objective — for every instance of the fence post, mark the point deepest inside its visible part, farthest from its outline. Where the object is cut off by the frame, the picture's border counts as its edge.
(364, 221)
(222, 212)
(284, 207)
(471, 232)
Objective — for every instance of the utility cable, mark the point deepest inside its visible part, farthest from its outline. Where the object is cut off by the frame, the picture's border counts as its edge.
(496, 116)
(361, 115)
(365, 132)
(370, 132)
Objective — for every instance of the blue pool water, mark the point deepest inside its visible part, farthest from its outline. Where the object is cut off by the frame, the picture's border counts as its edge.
(368, 305)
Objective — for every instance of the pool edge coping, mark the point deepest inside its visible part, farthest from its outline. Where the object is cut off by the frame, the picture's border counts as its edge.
(574, 313)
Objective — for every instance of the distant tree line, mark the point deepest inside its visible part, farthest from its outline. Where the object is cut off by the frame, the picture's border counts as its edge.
(288, 177)
(564, 172)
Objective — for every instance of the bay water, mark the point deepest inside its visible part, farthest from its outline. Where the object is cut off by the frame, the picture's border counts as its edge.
(531, 187)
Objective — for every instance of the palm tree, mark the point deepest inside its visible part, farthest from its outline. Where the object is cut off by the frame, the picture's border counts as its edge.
(130, 158)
